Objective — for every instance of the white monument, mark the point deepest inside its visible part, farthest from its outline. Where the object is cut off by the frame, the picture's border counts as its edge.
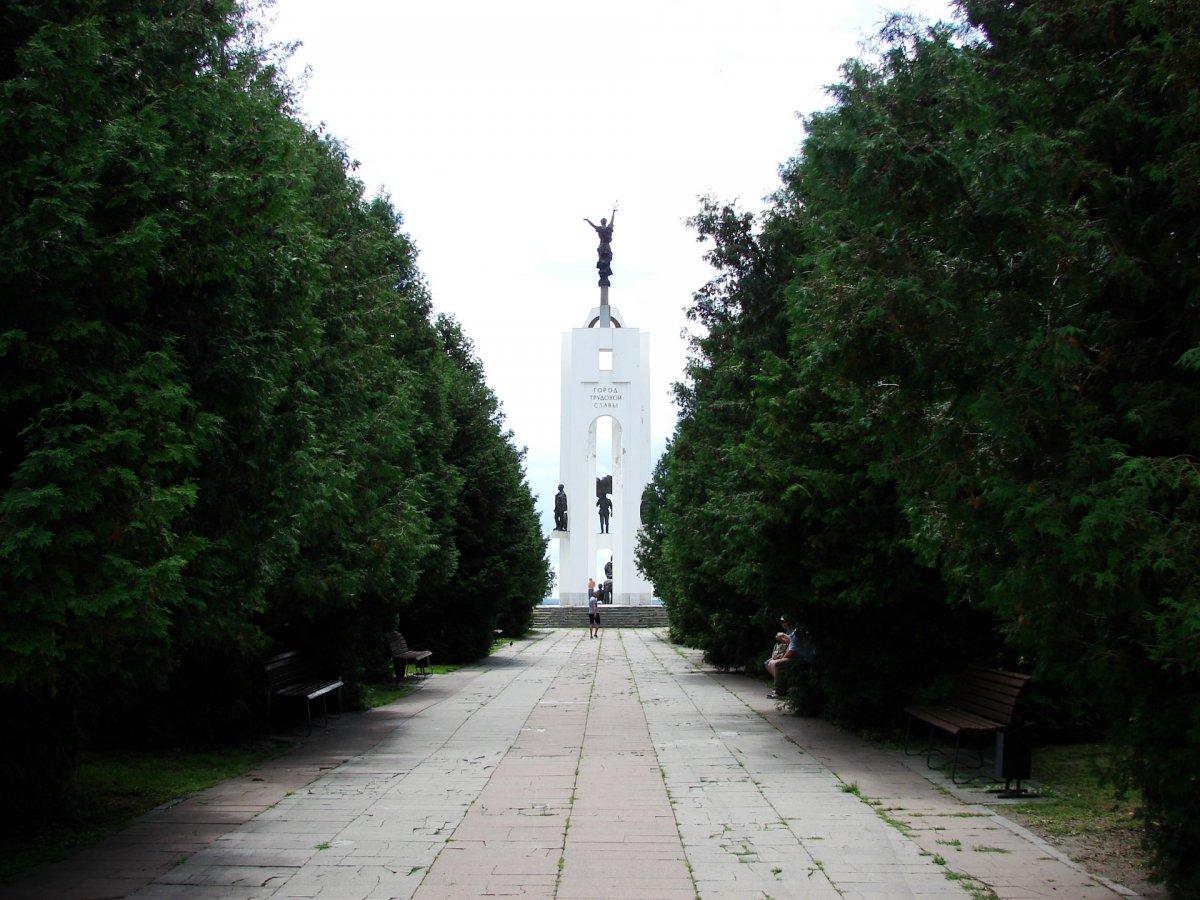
(605, 374)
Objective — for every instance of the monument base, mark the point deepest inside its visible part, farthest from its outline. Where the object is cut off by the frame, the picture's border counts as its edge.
(580, 598)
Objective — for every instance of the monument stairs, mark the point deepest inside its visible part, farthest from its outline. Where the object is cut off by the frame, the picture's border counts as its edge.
(611, 616)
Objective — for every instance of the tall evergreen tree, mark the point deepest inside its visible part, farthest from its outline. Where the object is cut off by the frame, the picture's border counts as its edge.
(501, 570)
(990, 367)
(103, 435)
(227, 420)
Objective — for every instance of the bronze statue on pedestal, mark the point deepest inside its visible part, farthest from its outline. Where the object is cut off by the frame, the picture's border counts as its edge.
(604, 231)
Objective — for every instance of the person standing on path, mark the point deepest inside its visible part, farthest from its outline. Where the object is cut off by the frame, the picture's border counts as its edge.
(593, 612)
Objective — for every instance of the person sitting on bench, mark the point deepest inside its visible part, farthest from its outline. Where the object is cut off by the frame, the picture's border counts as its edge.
(791, 646)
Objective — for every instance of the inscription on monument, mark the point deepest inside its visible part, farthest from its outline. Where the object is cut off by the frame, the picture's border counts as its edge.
(604, 397)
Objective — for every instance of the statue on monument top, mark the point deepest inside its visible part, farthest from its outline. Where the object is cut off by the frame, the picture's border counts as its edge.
(604, 231)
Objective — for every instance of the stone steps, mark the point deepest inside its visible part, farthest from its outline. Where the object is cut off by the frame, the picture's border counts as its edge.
(610, 617)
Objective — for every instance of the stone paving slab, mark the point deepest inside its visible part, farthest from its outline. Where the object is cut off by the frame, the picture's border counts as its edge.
(569, 768)
(999, 856)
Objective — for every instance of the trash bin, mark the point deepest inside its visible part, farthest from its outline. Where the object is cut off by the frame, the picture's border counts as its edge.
(1014, 762)
(1014, 756)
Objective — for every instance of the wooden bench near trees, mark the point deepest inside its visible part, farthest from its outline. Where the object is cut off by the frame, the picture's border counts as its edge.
(402, 655)
(290, 675)
(984, 703)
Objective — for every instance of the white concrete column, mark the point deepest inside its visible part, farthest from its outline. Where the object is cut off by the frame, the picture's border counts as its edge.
(605, 372)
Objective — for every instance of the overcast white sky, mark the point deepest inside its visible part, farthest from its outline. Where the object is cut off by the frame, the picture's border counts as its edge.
(496, 127)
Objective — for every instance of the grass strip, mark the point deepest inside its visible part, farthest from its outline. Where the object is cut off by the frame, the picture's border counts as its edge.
(114, 787)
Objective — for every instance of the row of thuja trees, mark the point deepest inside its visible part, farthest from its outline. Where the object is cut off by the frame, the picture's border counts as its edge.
(944, 403)
(229, 422)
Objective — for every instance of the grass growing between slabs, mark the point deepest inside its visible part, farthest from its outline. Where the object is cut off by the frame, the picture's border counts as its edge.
(1076, 808)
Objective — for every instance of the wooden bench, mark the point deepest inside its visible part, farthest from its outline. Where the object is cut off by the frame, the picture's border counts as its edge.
(983, 704)
(402, 655)
(290, 675)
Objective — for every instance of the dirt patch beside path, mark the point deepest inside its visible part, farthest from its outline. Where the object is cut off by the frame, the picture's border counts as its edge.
(1115, 854)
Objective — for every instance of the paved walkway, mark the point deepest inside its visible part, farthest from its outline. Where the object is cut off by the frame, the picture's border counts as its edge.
(574, 768)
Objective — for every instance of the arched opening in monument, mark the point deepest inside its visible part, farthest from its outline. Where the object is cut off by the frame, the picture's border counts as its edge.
(605, 472)
(604, 442)
(603, 568)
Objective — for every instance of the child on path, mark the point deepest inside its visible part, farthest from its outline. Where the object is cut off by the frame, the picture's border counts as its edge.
(593, 610)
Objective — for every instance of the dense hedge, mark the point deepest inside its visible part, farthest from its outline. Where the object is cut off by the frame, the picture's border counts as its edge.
(943, 403)
(229, 422)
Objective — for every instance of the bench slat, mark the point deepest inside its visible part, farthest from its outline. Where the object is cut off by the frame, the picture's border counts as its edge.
(989, 693)
(952, 720)
(984, 702)
(312, 690)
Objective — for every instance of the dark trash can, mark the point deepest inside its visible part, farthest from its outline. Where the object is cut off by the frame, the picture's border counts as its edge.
(1014, 756)
(1014, 762)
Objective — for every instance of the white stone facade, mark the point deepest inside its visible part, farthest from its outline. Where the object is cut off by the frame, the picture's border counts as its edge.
(605, 372)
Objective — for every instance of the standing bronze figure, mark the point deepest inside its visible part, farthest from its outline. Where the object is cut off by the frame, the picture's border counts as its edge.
(604, 231)
(560, 510)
